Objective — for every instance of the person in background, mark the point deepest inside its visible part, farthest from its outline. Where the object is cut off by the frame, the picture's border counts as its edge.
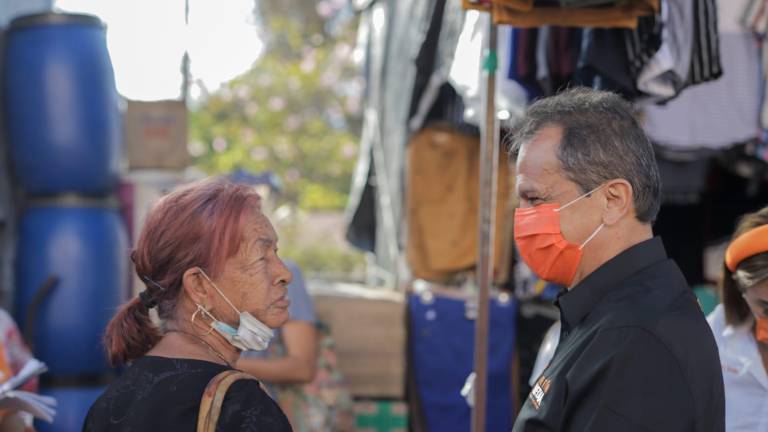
(291, 359)
(14, 354)
(299, 366)
(740, 325)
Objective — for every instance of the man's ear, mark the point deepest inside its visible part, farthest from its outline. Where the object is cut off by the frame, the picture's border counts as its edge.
(618, 201)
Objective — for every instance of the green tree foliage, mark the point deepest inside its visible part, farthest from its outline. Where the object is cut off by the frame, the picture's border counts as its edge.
(295, 112)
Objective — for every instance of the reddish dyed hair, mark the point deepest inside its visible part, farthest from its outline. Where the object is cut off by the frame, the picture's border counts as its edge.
(197, 225)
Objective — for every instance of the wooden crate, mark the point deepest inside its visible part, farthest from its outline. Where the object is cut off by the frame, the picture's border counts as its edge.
(369, 329)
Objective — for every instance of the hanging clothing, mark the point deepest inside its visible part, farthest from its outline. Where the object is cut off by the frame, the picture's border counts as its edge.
(665, 74)
(755, 18)
(434, 60)
(466, 72)
(543, 60)
(715, 114)
(643, 42)
(622, 15)
(523, 64)
(375, 208)
(563, 47)
(706, 64)
(443, 204)
(683, 175)
(604, 64)
(511, 96)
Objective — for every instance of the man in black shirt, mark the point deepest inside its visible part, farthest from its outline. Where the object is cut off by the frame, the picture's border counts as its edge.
(635, 352)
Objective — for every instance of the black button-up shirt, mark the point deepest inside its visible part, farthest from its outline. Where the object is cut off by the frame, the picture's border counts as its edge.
(635, 354)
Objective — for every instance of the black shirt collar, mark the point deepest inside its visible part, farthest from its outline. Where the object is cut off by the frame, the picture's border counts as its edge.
(576, 303)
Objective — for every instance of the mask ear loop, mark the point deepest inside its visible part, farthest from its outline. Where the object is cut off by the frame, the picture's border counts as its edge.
(597, 231)
(205, 312)
(220, 293)
(564, 206)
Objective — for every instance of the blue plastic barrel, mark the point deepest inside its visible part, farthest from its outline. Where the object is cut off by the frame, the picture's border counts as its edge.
(83, 251)
(61, 105)
(73, 405)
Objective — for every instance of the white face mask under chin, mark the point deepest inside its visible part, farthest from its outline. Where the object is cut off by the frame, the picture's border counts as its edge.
(250, 335)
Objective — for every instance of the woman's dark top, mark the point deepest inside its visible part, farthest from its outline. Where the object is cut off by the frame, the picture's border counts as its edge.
(163, 394)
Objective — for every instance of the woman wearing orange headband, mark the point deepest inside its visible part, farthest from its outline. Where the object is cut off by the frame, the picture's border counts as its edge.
(740, 325)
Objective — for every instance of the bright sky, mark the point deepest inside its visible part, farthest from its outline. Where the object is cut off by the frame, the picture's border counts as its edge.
(147, 39)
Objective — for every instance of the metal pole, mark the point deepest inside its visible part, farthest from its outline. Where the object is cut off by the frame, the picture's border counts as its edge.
(185, 82)
(489, 164)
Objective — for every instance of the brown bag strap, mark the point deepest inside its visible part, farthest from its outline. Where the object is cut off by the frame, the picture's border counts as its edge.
(213, 398)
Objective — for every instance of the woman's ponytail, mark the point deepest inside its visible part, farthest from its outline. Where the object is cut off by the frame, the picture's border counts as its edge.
(130, 334)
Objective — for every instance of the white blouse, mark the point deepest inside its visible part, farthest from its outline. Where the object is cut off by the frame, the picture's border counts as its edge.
(745, 378)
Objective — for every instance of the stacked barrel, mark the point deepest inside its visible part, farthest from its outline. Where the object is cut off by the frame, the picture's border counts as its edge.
(64, 132)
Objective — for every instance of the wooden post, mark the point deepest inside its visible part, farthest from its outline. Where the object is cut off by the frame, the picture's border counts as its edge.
(489, 164)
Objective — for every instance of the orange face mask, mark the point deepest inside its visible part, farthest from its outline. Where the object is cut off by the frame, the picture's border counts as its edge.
(542, 246)
(761, 330)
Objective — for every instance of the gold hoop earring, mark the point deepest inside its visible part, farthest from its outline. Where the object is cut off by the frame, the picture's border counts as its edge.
(194, 315)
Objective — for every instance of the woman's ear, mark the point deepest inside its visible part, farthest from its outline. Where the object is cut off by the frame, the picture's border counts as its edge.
(193, 284)
(619, 201)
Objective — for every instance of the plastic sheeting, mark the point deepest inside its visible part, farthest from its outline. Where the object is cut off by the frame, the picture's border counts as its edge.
(393, 31)
(393, 36)
(467, 71)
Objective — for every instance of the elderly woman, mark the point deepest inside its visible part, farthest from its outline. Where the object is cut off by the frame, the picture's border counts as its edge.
(740, 325)
(208, 257)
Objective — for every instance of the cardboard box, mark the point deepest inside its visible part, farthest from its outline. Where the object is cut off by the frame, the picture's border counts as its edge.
(368, 326)
(156, 135)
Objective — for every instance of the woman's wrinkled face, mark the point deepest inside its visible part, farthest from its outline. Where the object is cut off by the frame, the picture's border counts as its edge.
(255, 280)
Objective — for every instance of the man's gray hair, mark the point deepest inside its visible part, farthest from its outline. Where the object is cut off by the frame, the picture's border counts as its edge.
(602, 140)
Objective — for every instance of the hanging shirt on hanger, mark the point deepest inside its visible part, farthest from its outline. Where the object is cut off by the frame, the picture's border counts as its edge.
(442, 203)
(720, 113)
(466, 72)
(434, 60)
(643, 42)
(666, 73)
(705, 60)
